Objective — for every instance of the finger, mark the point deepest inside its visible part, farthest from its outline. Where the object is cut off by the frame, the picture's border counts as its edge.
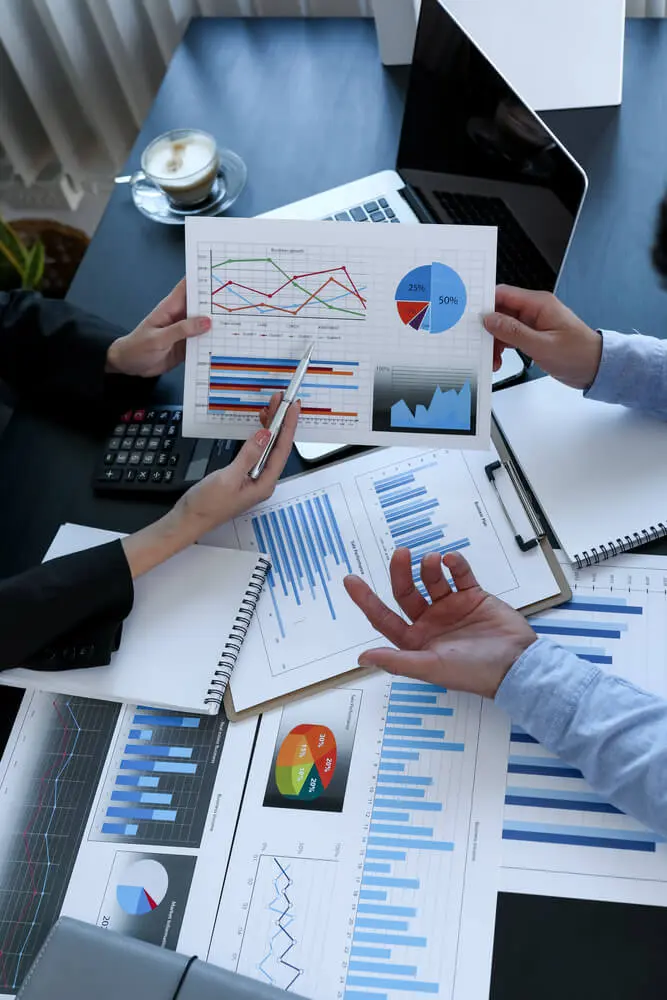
(382, 618)
(268, 413)
(498, 349)
(513, 332)
(521, 303)
(252, 451)
(408, 598)
(183, 330)
(433, 578)
(459, 567)
(421, 664)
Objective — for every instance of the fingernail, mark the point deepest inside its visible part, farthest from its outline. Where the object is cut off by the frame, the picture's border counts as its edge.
(203, 324)
(262, 438)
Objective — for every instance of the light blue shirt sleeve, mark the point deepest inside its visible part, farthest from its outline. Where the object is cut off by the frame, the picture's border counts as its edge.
(612, 731)
(633, 372)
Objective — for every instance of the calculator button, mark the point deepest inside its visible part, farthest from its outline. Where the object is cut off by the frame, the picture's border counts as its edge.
(168, 444)
(114, 444)
(130, 475)
(110, 476)
(163, 416)
(162, 458)
(146, 430)
(139, 416)
(172, 430)
(153, 444)
(151, 416)
(127, 417)
(135, 458)
(121, 458)
(109, 458)
(176, 416)
(133, 429)
(148, 458)
(168, 476)
(158, 430)
(173, 461)
(140, 444)
(142, 475)
(126, 444)
(156, 476)
(119, 430)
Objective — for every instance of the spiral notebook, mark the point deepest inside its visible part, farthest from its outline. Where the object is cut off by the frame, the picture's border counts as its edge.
(597, 471)
(190, 619)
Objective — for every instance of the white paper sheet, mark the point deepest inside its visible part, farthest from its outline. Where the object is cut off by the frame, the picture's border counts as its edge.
(395, 313)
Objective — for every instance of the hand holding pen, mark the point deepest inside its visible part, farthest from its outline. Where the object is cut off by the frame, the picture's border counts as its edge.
(280, 414)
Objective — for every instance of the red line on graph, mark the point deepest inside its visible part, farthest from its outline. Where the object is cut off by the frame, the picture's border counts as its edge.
(354, 291)
(24, 835)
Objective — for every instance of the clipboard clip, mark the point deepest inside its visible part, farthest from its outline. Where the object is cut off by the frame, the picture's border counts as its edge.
(524, 544)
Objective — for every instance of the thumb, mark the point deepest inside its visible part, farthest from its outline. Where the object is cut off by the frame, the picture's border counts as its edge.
(512, 331)
(421, 664)
(252, 450)
(184, 329)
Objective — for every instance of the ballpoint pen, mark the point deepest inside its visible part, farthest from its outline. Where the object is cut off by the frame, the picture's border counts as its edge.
(290, 395)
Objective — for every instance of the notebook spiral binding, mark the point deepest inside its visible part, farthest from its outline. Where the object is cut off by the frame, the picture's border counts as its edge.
(232, 648)
(599, 553)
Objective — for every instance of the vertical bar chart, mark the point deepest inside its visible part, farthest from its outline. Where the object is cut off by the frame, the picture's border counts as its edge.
(162, 772)
(391, 940)
(312, 544)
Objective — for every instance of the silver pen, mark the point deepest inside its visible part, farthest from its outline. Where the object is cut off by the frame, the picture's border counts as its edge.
(276, 424)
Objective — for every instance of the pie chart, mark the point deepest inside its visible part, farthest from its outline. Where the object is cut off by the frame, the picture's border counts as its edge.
(306, 762)
(431, 298)
(144, 889)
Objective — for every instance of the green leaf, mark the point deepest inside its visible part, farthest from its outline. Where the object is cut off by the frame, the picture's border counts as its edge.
(11, 247)
(34, 266)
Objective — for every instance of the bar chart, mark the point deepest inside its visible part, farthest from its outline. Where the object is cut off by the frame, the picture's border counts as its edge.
(553, 820)
(413, 848)
(313, 544)
(408, 506)
(161, 776)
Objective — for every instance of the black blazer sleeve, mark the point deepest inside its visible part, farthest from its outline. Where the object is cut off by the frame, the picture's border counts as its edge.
(67, 612)
(52, 350)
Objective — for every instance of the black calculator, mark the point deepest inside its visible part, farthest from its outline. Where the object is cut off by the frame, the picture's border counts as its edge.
(146, 455)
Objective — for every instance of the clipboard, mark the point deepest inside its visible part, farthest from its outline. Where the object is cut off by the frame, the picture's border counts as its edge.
(509, 490)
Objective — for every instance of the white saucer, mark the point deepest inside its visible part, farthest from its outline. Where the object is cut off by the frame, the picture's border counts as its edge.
(154, 204)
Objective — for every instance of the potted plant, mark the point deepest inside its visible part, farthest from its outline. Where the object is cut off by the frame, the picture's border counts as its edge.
(21, 266)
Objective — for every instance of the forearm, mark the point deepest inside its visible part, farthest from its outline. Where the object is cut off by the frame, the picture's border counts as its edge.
(148, 548)
(612, 731)
(633, 372)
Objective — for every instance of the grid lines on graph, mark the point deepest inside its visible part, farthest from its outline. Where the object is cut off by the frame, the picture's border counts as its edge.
(161, 778)
(38, 855)
(272, 285)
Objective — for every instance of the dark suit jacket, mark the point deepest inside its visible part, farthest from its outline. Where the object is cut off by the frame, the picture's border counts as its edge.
(67, 612)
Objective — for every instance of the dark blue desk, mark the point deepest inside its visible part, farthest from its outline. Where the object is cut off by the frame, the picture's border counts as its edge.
(308, 105)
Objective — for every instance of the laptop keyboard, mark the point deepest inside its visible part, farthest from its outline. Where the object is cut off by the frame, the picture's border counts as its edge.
(519, 261)
(372, 211)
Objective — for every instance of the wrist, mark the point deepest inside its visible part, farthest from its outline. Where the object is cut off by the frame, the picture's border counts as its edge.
(591, 356)
(518, 646)
(113, 361)
(150, 547)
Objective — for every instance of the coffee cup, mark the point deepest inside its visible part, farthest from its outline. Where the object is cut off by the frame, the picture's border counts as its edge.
(184, 164)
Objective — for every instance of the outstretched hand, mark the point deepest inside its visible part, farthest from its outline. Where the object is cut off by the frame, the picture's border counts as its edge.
(463, 639)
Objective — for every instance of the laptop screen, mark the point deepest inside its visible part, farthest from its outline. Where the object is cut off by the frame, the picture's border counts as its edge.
(474, 153)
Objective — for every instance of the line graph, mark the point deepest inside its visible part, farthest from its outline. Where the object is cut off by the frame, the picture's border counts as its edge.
(262, 286)
(45, 800)
(289, 903)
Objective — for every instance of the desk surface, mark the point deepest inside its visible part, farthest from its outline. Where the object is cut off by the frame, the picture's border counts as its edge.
(237, 78)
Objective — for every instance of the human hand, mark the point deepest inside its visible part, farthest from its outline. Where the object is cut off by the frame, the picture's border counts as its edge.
(465, 639)
(548, 332)
(220, 497)
(158, 344)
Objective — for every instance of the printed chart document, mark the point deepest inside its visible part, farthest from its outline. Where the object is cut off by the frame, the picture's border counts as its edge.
(366, 854)
(559, 837)
(395, 313)
(349, 518)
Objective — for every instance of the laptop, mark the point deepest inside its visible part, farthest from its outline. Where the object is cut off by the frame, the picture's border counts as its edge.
(471, 152)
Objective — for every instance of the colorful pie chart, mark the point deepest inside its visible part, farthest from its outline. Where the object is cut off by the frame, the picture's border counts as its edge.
(144, 889)
(431, 298)
(306, 762)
